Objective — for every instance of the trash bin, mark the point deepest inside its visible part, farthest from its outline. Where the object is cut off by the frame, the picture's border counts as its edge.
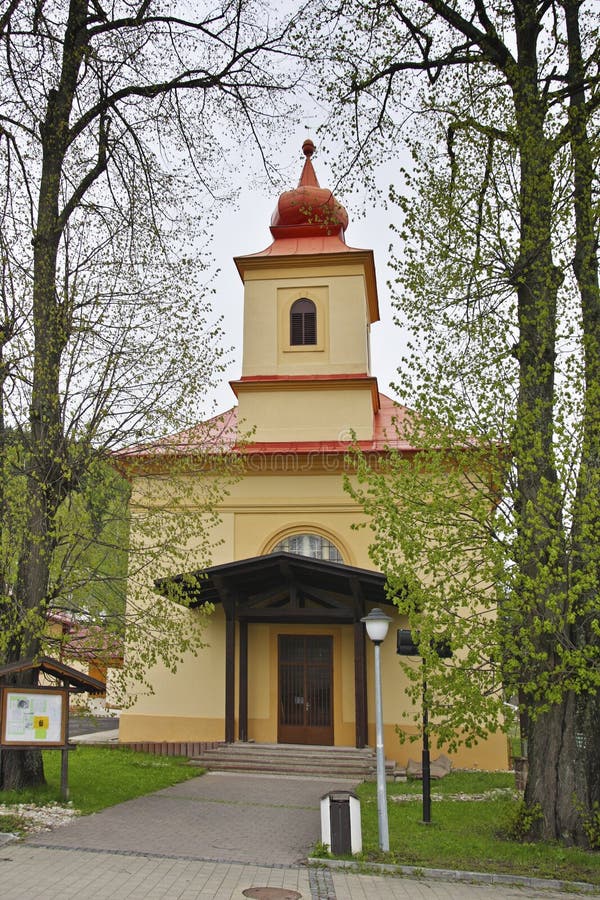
(340, 822)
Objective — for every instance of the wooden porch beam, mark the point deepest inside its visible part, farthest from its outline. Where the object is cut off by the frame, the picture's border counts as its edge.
(360, 666)
(288, 614)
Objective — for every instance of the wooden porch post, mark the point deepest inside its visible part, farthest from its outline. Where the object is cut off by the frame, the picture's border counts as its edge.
(243, 686)
(360, 684)
(229, 601)
(230, 679)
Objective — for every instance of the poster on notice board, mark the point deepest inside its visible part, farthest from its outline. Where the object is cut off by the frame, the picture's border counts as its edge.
(33, 716)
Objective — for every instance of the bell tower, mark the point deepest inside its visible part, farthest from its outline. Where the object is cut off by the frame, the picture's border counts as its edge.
(309, 302)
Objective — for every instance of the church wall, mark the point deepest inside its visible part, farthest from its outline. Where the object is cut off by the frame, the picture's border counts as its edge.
(258, 511)
(188, 705)
(261, 697)
(340, 298)
(269, 507)
(348, 343)
(309, 414)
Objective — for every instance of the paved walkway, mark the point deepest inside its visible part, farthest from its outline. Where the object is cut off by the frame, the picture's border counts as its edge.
(212, 837)
(92, 727)
(223, 817)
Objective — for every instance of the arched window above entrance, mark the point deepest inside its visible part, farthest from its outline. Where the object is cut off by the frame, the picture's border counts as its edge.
(314, 545)
(303, 323)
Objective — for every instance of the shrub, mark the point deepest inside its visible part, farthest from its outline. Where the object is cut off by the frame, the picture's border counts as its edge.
(521, 823)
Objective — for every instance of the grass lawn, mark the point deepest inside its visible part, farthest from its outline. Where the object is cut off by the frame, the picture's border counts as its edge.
(466, 834)
(99, 777)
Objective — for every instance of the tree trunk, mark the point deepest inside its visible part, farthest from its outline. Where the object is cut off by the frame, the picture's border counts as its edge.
(564, 770)
(540, 545)
(587, 769)
(48, 460)
(22, 769)
(586, 512)
(551, 782)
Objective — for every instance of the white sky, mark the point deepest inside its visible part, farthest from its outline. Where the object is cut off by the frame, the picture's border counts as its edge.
(244, 228)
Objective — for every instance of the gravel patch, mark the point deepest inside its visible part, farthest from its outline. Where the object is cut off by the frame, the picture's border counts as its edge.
(40, 818)
(493, 794)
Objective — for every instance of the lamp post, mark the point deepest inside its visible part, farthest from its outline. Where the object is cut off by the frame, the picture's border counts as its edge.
(406, 646)
(377, 624)
(425, 758)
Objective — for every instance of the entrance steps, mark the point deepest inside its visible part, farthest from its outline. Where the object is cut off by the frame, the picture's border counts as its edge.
(294, 759)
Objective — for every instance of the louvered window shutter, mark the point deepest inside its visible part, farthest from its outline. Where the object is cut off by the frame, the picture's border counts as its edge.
(303, 323)
(310, 328)
(296, 329)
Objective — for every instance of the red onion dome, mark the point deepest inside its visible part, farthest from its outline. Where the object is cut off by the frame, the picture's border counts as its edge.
(308, 209)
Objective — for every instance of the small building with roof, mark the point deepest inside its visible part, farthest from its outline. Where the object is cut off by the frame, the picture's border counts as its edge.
(286, 657)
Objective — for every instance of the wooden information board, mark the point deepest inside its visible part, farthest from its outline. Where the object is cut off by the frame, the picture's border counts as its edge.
(33, 717)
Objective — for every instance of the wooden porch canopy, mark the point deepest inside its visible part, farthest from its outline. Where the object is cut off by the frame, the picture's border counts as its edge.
(286, 588)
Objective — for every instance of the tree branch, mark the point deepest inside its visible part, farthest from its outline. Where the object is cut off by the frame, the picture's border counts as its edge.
(7, 15)
(91, 176)
(490, 131)
(491, 46)
(188, 80)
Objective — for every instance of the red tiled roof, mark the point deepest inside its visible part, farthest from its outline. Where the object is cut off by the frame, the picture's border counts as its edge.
(220, 435)
(85, 641)
(295, 243)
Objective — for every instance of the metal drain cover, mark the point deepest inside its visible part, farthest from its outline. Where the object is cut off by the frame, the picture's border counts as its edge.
(271, 893)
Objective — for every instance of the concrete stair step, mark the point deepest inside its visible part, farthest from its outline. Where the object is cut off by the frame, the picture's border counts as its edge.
(289, 761)
(342, 762)
(326, 758)
(300, 749)
(282, 768)
(276, 765)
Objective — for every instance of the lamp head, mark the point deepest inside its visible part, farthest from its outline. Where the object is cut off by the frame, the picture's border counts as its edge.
(377, 625)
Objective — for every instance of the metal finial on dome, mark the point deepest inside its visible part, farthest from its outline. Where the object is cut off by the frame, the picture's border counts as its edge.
(308, 148)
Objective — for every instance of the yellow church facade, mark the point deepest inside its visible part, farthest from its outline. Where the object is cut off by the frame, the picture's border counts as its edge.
(287, 659)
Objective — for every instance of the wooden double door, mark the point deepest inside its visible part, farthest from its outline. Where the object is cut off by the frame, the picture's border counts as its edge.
(305, 689)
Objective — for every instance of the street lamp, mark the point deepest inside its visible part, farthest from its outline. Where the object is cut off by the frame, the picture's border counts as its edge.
(377, 624)
(406, 646)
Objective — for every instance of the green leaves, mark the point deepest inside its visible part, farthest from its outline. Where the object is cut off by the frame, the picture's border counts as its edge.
(494, 524)
(431, 514)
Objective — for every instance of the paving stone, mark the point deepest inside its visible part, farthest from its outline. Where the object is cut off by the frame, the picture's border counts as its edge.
(209, 839)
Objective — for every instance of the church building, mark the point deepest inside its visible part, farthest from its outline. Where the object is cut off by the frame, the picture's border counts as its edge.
(287, 659)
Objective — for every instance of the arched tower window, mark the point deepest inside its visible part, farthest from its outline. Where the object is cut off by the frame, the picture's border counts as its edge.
(314, 545)
(303, 323)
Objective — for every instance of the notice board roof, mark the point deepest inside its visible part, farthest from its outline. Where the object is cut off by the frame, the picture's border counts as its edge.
(77, 680)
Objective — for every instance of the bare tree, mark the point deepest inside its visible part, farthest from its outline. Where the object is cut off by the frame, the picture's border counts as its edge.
(115, 124)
